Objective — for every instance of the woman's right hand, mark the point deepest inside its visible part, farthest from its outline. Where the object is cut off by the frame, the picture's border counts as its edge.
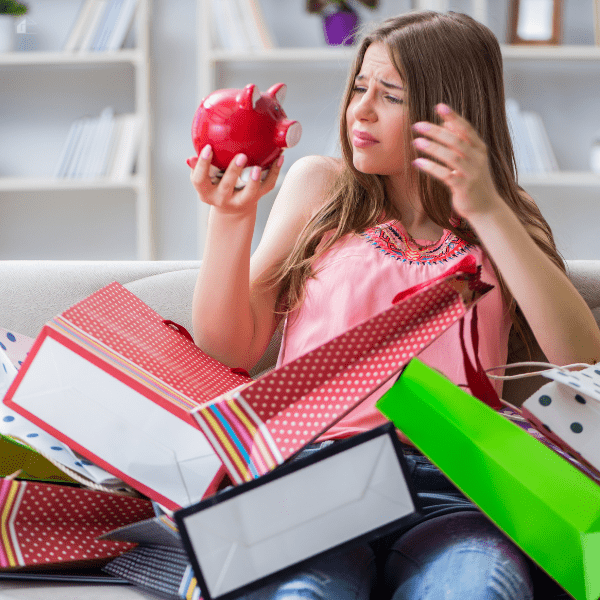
(223, 195)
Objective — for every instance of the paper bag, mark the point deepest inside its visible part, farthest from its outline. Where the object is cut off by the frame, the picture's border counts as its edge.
(567, 410)
(48, 524)
(549, 508)
(353, 490)
(258, 427)
(116, 382)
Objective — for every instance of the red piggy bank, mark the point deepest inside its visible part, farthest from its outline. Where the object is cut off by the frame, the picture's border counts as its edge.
(234, 121)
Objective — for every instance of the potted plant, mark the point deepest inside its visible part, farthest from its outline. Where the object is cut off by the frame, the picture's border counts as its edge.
(9, 9)
(339, 19)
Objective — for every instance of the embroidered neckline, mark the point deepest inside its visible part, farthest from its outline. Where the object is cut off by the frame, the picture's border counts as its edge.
(393, 240)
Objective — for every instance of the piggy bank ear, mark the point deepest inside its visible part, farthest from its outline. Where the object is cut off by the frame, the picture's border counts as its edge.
(277, 92)
(249, 97)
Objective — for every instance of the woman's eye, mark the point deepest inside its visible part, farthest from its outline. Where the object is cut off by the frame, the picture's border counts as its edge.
(394, 100)
(359, 90)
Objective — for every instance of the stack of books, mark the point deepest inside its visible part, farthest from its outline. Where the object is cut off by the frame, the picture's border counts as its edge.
(104, 146)
(101, 25)
(532, 147)
(240, 25)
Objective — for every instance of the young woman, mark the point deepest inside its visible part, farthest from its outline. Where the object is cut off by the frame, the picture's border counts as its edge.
(427, 176)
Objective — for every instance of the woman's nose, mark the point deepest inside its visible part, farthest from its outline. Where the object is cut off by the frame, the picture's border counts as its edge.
(364, 108)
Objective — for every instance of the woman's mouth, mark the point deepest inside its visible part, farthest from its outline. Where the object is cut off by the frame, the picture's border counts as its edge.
(361, 139)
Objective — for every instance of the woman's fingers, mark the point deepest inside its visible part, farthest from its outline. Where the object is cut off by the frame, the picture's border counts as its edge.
(199, 175)
(271, 179)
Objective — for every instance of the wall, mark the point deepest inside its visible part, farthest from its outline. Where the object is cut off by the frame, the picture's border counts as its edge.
(315, 96)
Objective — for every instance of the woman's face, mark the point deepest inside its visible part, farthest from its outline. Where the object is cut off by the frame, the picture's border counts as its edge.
(377, 115)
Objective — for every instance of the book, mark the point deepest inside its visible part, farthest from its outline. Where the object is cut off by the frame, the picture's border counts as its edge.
(541, 141)
(520, 138)
(266, 35)
(531, 128)
(92, 27)
(122, 25)
(96, 166)
(126, 147)
(222, 36)
(597, 22)
(247, 23)
(107, 25)
(235, 26)
(87, 126)
(80, 26)
(68, 150)
(258, 33)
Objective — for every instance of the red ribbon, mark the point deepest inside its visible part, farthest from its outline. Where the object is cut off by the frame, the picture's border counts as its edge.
(477, 378)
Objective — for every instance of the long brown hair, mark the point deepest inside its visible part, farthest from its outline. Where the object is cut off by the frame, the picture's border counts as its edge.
(441, 57)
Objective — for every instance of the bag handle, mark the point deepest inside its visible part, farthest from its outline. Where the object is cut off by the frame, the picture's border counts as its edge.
(477, 379)
(186, 334)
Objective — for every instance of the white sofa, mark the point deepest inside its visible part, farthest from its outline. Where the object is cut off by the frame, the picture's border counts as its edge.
(33, 292)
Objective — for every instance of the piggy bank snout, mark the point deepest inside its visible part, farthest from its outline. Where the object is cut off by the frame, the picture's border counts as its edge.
(288, 133)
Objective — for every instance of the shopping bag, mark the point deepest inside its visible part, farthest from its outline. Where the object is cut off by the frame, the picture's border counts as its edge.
(547, 506)
(355, 490)
(261, 425)
(25, 447)
(49, 524)
(115, 382)
(567, 410)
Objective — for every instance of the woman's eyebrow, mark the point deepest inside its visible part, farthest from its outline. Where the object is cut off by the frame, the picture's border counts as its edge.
(386, 84)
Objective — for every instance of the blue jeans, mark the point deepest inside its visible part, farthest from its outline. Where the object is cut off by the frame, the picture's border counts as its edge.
(454, 553)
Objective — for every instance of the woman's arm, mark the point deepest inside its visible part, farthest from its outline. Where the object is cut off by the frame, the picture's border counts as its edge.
(560, 319)
(233, 312)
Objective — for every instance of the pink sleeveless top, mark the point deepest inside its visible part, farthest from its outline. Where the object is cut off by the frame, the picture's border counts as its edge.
(360, 275)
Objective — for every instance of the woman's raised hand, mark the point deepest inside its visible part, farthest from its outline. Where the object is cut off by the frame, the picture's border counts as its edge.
(462, 162)
(223, 195)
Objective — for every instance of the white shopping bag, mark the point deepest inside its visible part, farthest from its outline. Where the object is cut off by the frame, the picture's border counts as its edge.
(355, 489)
(567, 410)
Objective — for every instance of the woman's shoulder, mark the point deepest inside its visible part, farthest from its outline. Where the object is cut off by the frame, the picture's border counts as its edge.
(320, 169)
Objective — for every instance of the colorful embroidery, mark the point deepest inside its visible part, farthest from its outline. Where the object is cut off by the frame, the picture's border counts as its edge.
(393, 241)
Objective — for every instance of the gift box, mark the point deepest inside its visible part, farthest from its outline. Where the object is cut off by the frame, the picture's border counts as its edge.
(351, 491)
(567, 410)
(547, 506)
(48, 524)
(115, 382)
(261, 425)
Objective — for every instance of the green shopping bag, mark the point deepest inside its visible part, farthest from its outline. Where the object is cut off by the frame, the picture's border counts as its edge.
(16, 456)
(547, 506)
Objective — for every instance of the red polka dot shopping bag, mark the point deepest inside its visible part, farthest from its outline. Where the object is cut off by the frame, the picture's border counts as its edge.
(116, 382)
(259, 426)
(48, 524)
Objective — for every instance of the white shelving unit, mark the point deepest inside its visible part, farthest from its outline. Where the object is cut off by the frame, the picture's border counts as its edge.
(216, 65)
(92, 189)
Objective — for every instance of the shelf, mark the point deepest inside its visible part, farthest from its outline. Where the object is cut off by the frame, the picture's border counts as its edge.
(71, 58)
(27, 184)
(543, 52)
(561, 178)
(345, 54)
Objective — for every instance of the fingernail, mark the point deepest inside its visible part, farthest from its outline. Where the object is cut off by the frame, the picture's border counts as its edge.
(443, 109)
(280, 161)
(419, 162)
(255, 174)
(240, 160)
(421, 142)
(422, 126)
(206, 152)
